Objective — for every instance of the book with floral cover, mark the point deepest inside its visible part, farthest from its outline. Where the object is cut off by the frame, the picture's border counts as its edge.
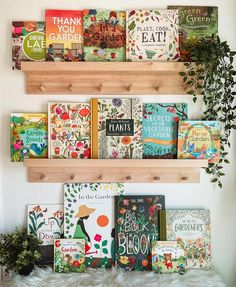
(137, 224)
(89, 215)
(152, 35)
(192, 229)
(69, 130)
(116, 128)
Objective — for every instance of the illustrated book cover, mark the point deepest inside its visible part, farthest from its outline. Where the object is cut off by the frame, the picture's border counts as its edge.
(104, 35)
(69, 255)
(199, 140)
(152, 35)
(137, 224)
(192, 229)
(64, 35)
(195, 22)
(168, 257)
(89, 214)
(29, 136)
(46, 221)
(160, 128)
(28, 42)
(117, 128)
(69, 130)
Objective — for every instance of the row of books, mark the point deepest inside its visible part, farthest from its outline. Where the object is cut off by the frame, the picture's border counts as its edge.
(115, 128)
(105, 35)
(100, 226)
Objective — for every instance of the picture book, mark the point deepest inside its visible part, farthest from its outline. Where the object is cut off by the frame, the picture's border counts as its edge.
(64, 35)
(69, 255)
(168, 257)
(104, 35)
(116, 128)
(195, 22)
(69, 130)
(160, 128)
(29, 136)
(199, 140)
(89, 215)
(28, 42)
(46, 221)
(192, 229)
(152, 35)
(137, 224)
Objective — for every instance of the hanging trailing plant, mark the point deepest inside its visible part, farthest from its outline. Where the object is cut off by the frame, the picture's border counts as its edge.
(212, 75)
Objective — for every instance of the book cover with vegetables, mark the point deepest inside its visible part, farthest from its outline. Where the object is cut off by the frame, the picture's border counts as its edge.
(168, 257)
(69, 130)
(89, 214)
(104, 35)
(137, 224)
(152, 35)
(64, 35)
(69, 255)
(199, 140)
(116, 128)
(160, 128)
(192, 229)
(195, 22)
(29, 136)
(28, 42)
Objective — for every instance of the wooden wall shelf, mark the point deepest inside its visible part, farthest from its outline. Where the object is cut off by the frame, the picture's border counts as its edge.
(104, 78)
(108, 170)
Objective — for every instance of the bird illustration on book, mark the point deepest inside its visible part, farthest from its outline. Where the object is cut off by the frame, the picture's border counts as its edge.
(36, 149)
(83, 214)
(190, 147)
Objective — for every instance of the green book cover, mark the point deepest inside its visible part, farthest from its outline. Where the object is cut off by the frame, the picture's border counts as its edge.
(195, 22)
(29, 136)
(104, 35)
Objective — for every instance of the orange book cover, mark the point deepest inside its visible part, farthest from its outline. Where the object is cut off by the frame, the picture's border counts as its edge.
(64, 35)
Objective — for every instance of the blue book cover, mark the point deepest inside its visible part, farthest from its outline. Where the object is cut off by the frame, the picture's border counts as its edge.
(159, 127)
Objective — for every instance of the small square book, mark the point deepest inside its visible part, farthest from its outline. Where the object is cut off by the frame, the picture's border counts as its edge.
(117, 128)
(168, 257)
(152, 35)
(104, 35)
(69, 255)
(199, 140)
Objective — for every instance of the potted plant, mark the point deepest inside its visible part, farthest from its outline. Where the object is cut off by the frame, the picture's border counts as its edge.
(19, 251)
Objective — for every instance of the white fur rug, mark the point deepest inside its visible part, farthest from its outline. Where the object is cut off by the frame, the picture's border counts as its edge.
(114, 278)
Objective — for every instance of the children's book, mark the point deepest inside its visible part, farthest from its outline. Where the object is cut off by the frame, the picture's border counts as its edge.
(29, 136)
(104, 35)
(168, 257)
(160, 128)
(116, 128)
(192, 229)
(28, 42)
(89, 215)
(199, 140)
(152, 35)
(69, 255)
(64, 35)
(137, 224)
(69, 130)
(46, 221)
(195, 22)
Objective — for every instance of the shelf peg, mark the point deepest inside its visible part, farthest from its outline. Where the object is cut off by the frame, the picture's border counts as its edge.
(128, 177)
(185, 178)
(100, 88)
(157, 177)
(129, 87)
(70, 88)
(100, 177)
(43, 177)
(72, 177)
(42, 88)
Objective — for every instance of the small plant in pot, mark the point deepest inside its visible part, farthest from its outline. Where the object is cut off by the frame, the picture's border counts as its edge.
(19, 251)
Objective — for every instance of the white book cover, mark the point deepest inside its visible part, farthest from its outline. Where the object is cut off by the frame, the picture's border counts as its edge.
(89, 215)
(46, 221)
(152, 35)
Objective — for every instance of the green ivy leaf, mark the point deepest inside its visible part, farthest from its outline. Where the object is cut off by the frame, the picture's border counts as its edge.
(104, 243)
(97, 246)
(105, 250)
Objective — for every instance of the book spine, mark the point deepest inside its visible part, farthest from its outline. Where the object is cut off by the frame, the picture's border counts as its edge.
(49, 131)
(162, 225)
(127, 36)
(94, 128)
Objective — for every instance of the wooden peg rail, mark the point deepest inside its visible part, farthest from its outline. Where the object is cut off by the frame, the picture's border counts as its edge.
(109, 170)
(104, 78)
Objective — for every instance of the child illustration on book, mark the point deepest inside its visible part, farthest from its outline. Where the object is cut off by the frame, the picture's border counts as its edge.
(80, 232)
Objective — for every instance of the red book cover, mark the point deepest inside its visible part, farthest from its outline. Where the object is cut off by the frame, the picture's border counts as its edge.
(64, 35)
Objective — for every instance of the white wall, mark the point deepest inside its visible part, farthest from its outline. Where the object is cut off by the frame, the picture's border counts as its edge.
(17, 192)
